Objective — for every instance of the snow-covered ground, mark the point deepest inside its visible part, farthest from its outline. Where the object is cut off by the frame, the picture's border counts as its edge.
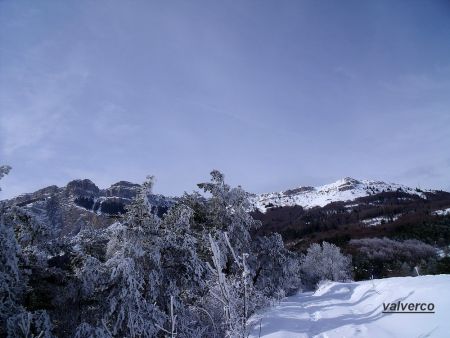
(442, 212)
(346, 189)
(379, 220)
(356, 310)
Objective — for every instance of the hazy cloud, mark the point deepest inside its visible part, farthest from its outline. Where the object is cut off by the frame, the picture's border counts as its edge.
(274, 94)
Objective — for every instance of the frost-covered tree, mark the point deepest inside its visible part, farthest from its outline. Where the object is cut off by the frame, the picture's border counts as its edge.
(134, 259)
(85, 330)
(386, 249)
(384, 257)
(226, 223)
(12, 283)
(183, 273)
(16, 241)
(237, 261)
(325, 262)
(228, 210)
(232, 291)
(11, 280)
(179, 259)
(29, 325)
(4, 170)
(92, 275)
(277, 270)
(199, 270)
(34, 237)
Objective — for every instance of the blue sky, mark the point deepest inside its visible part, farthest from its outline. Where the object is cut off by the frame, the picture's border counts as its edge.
(275, 94)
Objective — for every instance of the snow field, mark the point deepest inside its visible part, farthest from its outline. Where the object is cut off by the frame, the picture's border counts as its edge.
(356, 310)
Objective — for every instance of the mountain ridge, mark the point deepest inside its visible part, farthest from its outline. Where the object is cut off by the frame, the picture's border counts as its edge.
(345, 189)
(81, 203)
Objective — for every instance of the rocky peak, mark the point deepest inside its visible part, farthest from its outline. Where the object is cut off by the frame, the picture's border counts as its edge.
(82, 188)
(122, 189)
(348, 183)
(297, 190)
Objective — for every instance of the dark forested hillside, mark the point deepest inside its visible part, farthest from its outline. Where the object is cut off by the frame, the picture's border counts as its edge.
(388, 215)
(392, 214)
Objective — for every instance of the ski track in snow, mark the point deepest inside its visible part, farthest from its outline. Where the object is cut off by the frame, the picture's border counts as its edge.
(355, 310)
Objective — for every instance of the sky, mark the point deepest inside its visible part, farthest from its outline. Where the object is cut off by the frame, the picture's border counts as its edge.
(275, 94)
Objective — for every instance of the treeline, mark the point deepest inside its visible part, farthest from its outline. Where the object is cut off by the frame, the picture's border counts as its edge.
(384, 257)
(403, 216)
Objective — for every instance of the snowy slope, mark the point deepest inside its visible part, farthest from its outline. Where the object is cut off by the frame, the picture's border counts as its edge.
(355, 310)
(346, 189)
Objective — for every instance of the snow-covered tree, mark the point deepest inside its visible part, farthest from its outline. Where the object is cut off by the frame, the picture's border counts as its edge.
(277, 270)
(183, 273)
(384, 257)
(228, 210)
(199, 270)
(231, 292)
(29, 325)
(4, 170)
(179, 258)
(33, 235)
(15, 320)
(239, 265)
(92, 276)
(134, 259)
(325, 262)
(85, 330)
(11, 281)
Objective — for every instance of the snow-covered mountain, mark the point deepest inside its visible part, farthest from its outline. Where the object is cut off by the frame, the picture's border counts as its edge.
(82, 202)
(346, 189)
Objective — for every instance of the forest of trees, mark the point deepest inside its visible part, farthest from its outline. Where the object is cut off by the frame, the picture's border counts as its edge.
(384, 257)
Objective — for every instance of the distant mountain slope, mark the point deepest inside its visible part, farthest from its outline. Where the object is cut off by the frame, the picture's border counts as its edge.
(81, 203)
(335, 212)
(346, 189)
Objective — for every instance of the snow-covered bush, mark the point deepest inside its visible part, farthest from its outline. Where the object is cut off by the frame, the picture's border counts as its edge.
(325, 262)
